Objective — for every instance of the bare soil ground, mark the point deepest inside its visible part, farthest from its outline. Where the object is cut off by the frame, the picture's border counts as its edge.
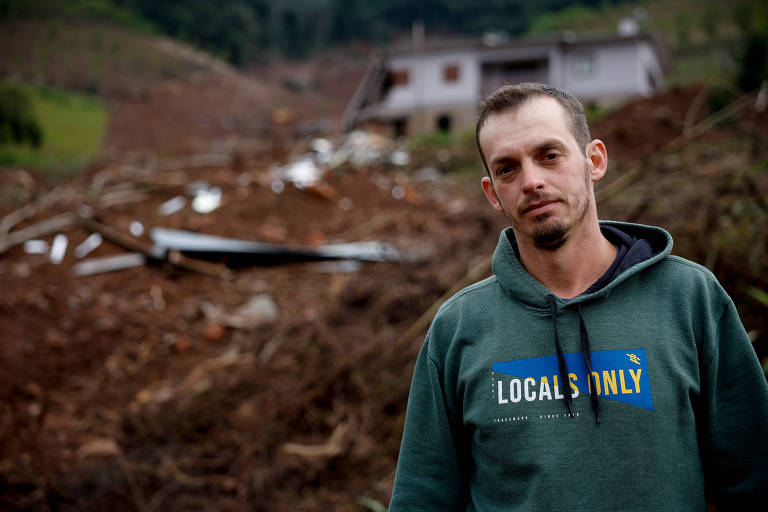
(121, 391)
(197, 413)
(219, 111)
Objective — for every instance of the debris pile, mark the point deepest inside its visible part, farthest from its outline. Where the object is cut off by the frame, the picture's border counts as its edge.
(160, 353)
(166, 355)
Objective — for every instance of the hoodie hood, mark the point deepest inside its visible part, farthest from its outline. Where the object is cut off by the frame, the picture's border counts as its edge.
(523, 288)
(639, 247)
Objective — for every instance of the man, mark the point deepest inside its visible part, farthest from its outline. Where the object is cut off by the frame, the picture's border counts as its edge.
(593, 370)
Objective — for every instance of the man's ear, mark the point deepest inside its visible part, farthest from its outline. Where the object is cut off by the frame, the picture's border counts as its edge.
(597, 155)
(490, 194)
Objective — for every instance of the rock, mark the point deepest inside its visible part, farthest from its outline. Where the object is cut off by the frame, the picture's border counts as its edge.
(214, 331)
(273, 233)
(54, 338)
(181, 345)
(260, 309)
(100, 447)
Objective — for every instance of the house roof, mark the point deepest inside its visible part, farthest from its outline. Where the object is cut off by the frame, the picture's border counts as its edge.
(491, 44)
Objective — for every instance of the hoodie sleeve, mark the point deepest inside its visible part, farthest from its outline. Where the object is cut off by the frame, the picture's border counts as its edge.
(736, 411)
(428, 470)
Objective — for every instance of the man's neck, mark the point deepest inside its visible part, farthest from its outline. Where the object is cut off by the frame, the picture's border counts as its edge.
(574, 266)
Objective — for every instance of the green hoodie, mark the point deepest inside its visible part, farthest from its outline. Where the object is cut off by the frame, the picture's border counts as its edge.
(675, 412)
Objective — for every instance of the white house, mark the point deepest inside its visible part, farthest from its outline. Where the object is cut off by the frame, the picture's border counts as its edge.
(440, 86)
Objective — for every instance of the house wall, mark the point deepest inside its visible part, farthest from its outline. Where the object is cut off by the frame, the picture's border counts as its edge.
(496, 74)
(651, 73)
(513, 65)
(425, 119)
(609, 72)
(556, 68)
(426, 86)
(526, 53)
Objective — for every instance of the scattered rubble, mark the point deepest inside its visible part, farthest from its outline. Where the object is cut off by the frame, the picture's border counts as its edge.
(185, 384)
(108, 264)
(153, 346)
(89, 244)
(206, 200)
(172, 206)
(99, 448)
(258, 310)
(58, 248)
(136, 228)
(36, 247)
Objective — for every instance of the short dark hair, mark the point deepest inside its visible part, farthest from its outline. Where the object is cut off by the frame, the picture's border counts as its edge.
(509, 98)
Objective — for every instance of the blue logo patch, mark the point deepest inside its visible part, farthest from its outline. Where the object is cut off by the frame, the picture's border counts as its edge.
(620, 375)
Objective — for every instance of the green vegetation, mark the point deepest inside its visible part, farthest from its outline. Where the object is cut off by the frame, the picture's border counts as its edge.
(72, 126)
(757, 294)
(753, 62)
(73, 10)
(705, 36)
(455, 151)
(245, 30)
(18, 124)
(88, 57)
(436, 140)
(570, 18)
(595, 112)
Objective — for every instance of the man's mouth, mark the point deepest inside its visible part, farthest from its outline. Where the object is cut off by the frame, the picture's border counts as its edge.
(538, 208)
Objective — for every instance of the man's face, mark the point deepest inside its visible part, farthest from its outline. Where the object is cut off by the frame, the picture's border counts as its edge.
(540, 178)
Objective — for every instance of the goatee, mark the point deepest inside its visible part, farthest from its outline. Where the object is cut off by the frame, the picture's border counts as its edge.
(550, 236)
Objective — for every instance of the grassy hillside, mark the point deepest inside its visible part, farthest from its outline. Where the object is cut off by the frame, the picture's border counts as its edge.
(88, 56)
(73, 127)
(77, 72)
(71, 70)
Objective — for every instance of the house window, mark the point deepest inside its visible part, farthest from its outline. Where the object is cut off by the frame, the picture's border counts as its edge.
(444, 123)
(584, 65)
(451, 73)
(400, 127)
(399, 77)
(652, 83)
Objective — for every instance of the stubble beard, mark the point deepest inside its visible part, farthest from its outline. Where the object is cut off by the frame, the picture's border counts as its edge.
(549, 235)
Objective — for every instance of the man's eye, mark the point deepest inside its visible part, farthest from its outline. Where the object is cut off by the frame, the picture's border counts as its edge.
(551, 156)
(504, 170)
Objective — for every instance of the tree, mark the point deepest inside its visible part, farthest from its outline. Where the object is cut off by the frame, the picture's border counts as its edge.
(18, 124)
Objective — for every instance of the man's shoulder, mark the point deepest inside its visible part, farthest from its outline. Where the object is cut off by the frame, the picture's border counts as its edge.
(467, 306)
(689, 281)
(682, 268)
(474, 294)
(462, 316)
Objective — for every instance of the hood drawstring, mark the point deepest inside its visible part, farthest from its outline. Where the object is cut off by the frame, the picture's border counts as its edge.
(563, 366)
(587, 353)
(564, 381)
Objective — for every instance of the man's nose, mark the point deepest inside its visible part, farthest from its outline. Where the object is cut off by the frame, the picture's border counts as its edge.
(533, 177)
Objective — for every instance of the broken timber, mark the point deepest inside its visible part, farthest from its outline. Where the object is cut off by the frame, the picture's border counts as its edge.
(68, 220)
(109, 264)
